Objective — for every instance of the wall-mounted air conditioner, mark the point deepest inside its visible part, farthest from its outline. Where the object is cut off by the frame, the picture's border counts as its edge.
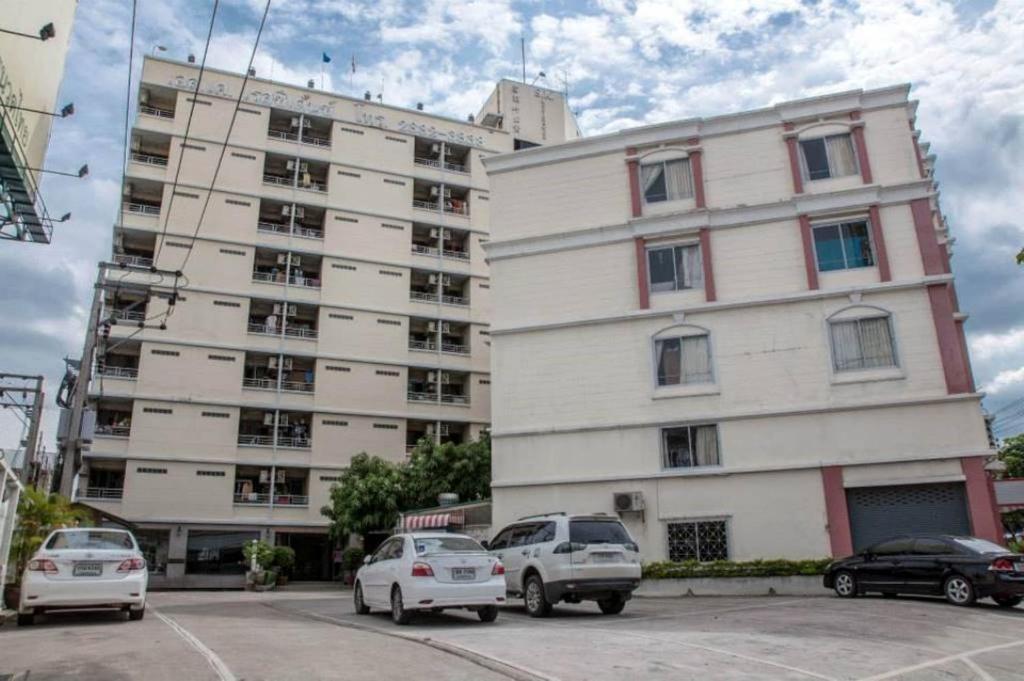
(268, 418)
(626, 502)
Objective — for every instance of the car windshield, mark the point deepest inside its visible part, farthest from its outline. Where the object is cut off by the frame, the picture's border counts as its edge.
(597, 532)
(979, 545)
(428, 545)
(91, 539)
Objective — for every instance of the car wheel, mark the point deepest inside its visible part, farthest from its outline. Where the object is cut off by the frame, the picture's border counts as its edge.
(357, 600)
(959, 590)
(845, 584)
(399, 614)
(613, 605)
(136, 615)
(889, 594)
(1008, 601)
(536, 600)
(488, 614)
(26, 619)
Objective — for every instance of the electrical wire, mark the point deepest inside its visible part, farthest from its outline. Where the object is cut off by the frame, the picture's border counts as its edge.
(188, 126)
(227, 135)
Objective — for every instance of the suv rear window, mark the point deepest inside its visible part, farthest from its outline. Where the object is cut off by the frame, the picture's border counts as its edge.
(597, 532)
(91, 539)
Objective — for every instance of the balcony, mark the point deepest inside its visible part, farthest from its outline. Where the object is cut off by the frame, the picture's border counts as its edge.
(114, 418)
(150, 149)
(101, 493)
(157, 102)
(122, 362)
(433, 287)
(302, 128)
(267, 318)
(291, 219)
(273, 372)
(256, 429)
(134, 248)
(125, 373)
(143, 198)
(438, 387)
(279, 267)
(431, 335)
(266, 486)
(295, 173)
(102, 480)
(125, 307)
(438, 197)
(443, 156)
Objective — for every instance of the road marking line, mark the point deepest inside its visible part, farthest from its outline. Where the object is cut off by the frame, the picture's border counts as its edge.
(218, 664)
(925, 621)
(985, 676)
(959, 657)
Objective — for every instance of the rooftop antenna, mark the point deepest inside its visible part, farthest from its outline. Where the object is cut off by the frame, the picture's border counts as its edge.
(522, 50)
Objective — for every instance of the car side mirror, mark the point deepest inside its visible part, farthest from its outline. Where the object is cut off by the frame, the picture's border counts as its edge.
(486, 544)
(367, 560)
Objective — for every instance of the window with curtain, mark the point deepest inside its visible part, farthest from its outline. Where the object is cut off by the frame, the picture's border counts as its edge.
(683, 360)
(690, 446)
(843, 246)
(862, 344)
(666, 180)
(674, 268)
(826, 157)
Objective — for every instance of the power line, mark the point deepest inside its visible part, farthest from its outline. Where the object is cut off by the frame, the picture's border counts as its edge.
(188, 126)
(227, 135)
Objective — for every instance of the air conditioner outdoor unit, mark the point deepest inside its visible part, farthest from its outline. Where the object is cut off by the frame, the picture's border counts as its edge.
(295, 121)
(435, 148)
(446, 234)
(432, 327)
(292, 309)
(628, 501)
(431, 377)
(272, 362)
(303, 167)
(286, 210)
(268, 419)
(444, 430)
(434, 233)
(446, 280)
(446, 327)
(136, 144)
(447, 193)
(296, 260)
(300, 212)
(446, 378)
(434, 192)
(282, 258)
(429, 432)
(432, 279)
(290, 165)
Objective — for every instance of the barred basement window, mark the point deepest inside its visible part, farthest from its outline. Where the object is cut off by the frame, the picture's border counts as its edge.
(249, 157)
(398, 182)
(335, 315)
(348, 174)
(222, 358)
(383, 372)
(227, 303)
(157, 410)
(385, 426)
(390, 273)
(701, 540)
(216, 414)
(334, 422)
(389, 322)
(236, 202)
(169, 353)
(335, 367)
(395, 139)
(339, 266)
(330, 478)
(154, 471)
(390, 226)
(341, 218)
(212, 474)
(351, 130)
(231, 251)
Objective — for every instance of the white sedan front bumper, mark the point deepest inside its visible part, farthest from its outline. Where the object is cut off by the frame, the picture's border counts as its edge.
(39, 592)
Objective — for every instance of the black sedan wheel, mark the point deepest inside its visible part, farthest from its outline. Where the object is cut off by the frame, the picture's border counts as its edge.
(959, 590)
(1008, 601)
(845, 584)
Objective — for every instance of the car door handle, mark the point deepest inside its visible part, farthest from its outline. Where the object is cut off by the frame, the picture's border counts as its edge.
(526, 552)
(499, 556)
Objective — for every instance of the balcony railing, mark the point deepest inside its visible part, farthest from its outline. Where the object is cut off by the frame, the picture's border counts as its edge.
(294, 442)
(456, 208)
(304, 282)
(278, 180)
(291, 500)
(149, 159)
(277, 228)
(455, 167)
(430, 297)
(461, 255)
(420, 249)
(128, 315)
(314, 186)
(113, 431)
(425, 205)
(455, 348)
(154, 111)
(133, 260)
(127, 373)
(454, 300)
(425, 346)
(436, 163)
(142, 208)
(300, 332)
(283, 135)
(455, 399)
(297, 386)
(103, 492)
(415, 396)
(260, 383)
(252, 498)
(316, 141)
(268, 441)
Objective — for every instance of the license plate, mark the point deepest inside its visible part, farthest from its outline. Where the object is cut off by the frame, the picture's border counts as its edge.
(605, 557)
(88, 569)
(464, 574)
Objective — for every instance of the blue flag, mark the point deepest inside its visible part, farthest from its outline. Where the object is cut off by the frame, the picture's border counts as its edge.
(327, 59)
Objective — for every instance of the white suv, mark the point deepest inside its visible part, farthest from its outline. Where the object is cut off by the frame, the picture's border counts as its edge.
(571, 558)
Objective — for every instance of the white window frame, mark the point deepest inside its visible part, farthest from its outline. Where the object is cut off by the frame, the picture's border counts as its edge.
(727, 519)
(689, 243)
(679, 331)
(663, 447)
(661, 162)
(835, 222)
(869, 312)
(806, 172)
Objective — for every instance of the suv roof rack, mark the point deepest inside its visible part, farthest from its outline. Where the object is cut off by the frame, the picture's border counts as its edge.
(542, 515)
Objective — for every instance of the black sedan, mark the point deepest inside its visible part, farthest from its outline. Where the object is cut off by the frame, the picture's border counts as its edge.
(963, 569)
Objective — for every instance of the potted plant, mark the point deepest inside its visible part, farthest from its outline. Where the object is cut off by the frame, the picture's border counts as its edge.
(351, 561)
(283, 563)
(260, 556)
(39, 513)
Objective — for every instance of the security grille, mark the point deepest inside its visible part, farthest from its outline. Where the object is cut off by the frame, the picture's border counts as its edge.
(702, 540)
(880, 513)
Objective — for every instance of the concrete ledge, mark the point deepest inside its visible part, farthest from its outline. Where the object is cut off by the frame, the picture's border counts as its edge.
(732, 586)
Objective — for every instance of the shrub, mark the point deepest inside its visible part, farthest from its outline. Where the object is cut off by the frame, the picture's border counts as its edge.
(263, 551)
(352, 558)
(726, 568)
(283, 560)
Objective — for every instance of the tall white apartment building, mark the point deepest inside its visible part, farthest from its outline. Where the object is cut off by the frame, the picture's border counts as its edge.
(739, 332)
(333, 299)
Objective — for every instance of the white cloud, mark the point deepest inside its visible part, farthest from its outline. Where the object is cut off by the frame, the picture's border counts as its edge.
(1005, 380)
(989, 345)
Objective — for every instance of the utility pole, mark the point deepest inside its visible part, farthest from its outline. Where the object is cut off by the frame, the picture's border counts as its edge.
(13, 387)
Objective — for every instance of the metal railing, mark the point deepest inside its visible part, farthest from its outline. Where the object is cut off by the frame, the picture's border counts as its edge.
(297, 387)
(260, 383)
(415, 396)
(304, 282)
(294, 442)
(423, 296)
(425, 205)
(309, 232)
(278, 180)
(128, 315)
(300, 332)
(454, 399)
(103, 493)
(128, 373)
(461, 255)
(427, 346)
(149, 159)
(314, 186)
(133, 260)
(252, 498)
(142, 208)
(454, 300)
(300, 231)
(113, 431)
(454, 349)
(275, 227)
(291, 500)
(429, 162)
(420, 249)
(256, 440)
(316, 141)
(461, 209)
(154, 111)
(455, 167)
(269, 277)
(283, 135)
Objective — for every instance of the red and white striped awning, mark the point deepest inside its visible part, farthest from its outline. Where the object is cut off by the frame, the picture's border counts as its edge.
(432, 520)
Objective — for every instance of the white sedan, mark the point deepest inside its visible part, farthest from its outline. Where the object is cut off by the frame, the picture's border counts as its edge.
(85, 568)
(430, 571)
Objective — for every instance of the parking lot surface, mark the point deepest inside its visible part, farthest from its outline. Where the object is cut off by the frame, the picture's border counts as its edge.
(305, 635)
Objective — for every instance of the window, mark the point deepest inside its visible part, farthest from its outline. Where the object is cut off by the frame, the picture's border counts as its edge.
(521, 535)
(931, 547)
(598, 532)
(893, 547)
(545, 532)
(690, 446)
(101, 540)
(826, 157)
(666, 180)
(211, 552)
(675, 268)
(683, 360)
(501, 540)
(701, 540)
(843, 246)
(862, 344)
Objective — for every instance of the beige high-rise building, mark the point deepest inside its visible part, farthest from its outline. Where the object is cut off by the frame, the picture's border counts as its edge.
(333, 299)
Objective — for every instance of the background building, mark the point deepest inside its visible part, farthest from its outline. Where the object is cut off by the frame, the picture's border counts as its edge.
(740, 332)
(31, 70)
(333, 299)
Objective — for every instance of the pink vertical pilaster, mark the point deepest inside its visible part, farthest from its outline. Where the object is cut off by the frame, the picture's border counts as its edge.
(709, 271)
(810, 262)
(794, 160)
(927, 242)
(951, 349)
(979, 499)
(881, 254)
(862, 148)
(836, 511)
(697, 169)
(633, 166)
(641, 273)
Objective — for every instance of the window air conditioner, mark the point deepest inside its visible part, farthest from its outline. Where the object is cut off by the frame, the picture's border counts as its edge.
(628, 501)
(268, 418)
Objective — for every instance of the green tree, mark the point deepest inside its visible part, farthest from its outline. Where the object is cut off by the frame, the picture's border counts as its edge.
(464, 469)
(40, 513)
(367, 498)
(1020, 257)
(1012, 454)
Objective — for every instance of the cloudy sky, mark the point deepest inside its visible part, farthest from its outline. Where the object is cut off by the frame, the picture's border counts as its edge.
(626, 62)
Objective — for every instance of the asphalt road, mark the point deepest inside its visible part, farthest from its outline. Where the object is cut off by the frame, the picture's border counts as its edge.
(281, 636)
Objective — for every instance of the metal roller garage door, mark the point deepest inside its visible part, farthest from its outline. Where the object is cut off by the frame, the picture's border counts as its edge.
(878, 513)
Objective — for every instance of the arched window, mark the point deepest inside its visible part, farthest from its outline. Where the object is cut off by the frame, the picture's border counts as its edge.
(682, 356)
(861, 337)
